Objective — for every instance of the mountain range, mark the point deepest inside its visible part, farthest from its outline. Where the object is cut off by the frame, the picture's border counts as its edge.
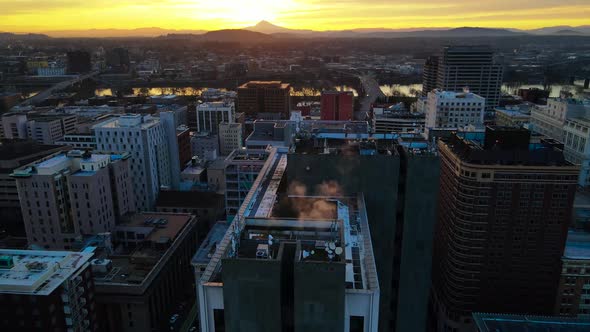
(267, 28)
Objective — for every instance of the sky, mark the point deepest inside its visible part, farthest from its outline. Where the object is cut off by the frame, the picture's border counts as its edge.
(52, 15)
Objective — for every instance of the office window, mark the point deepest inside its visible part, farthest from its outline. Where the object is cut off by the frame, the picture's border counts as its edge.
(357, 323)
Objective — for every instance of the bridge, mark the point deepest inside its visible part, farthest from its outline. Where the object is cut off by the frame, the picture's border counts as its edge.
(57, 87)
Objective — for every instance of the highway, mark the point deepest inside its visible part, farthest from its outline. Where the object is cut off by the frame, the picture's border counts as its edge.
(373, 91)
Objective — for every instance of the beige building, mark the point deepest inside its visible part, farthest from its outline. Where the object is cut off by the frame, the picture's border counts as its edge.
(67, 196)
(230, 138)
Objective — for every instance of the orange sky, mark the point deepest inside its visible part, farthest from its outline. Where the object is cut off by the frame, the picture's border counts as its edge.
(49, 15)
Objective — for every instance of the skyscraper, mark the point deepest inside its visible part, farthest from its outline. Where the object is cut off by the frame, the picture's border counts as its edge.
(210, 115)
(504, 210)
(471, 67)
(337, 105)
(145, 140)
(430, 75)
(265, 99)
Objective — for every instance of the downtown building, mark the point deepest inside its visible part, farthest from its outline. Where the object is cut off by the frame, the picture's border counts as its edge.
(461, 67)
(290, 262)
(47, 291)
(573, 294)
(265, 99)
(144, 138)
(71, 195)
(505, 206)
(211, 115)
(337, 105)
(453, 110)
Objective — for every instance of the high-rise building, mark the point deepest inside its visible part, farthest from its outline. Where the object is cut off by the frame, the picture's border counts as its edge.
(70, 195)
(46, 291)
(471, 67)
(48, 129)
(210, 115)
(337, 105)
(430, 75)
(78, 62)
(453, 110)
(204, 145)
(230, 137)
(171, 133)
(504, 210)
(573, 294)
(265, 99)
(291, 262)
(144, 138)
(399, 181)
(14, 154)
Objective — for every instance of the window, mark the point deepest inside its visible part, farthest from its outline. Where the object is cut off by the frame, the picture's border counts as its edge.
(357, 323)
(219, 320)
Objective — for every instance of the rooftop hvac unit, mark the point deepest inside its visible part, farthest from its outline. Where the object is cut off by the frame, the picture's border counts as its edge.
(101, 266)
(262, 251)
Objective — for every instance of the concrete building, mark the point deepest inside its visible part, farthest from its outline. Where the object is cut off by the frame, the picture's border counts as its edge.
(204, 145)
(398, 122)
(14, 154)
(577, 146)
(41, 127)
(79, 141)
(279, 133)
(292, 263)
(430, 75)
(171, 134)
(144, 138)
(46, 291)
(454, 110)
(337, 105)
(573, 293)
(210, 115)
(14, 126)
(265, 99)
(504, 210)
(550, 119)
(399, 182)
(146, 274)
(67, 196)
(241, 169)
(513, 116)
(471, 67)
(508, 323)
(230, 138)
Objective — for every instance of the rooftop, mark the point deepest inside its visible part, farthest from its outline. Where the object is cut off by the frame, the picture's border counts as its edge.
(36, 272)
(577, 245)
(74, 160)
(128, 121)
(155, 234)
(209, 245)
(456, 95)
(265, 84)
(15, 153)
(520, 323)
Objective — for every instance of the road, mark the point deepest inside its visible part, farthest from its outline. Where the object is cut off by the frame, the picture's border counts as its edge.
(373, 91)
(57, 87)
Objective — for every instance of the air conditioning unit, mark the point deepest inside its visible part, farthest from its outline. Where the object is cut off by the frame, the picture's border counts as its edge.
(262, 251)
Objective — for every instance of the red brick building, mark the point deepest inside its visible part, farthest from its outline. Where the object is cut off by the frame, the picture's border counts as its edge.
(337, 105)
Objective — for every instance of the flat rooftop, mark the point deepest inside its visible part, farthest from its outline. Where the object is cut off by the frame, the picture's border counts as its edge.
(265, 84)
(209, 245)
(189, 199)
(15, 153)
(577, 245)
(324, 228)
(35, 272)
(128, 121)
(134, 265)
(519, 323)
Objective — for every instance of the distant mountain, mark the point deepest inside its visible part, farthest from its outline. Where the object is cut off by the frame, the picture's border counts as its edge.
(22, 36)
(562, 29)
(269, 28)
(226, 36)
(120, 33)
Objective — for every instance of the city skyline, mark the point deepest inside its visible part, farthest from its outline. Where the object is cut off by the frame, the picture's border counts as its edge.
(48, 16)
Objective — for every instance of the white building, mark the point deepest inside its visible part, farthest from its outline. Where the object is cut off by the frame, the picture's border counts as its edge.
(230, 138)
(14, 126)
(170, 123)
(549, 120)
(577, 146)
(210, 115)
(454, 110)
(145, 139)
